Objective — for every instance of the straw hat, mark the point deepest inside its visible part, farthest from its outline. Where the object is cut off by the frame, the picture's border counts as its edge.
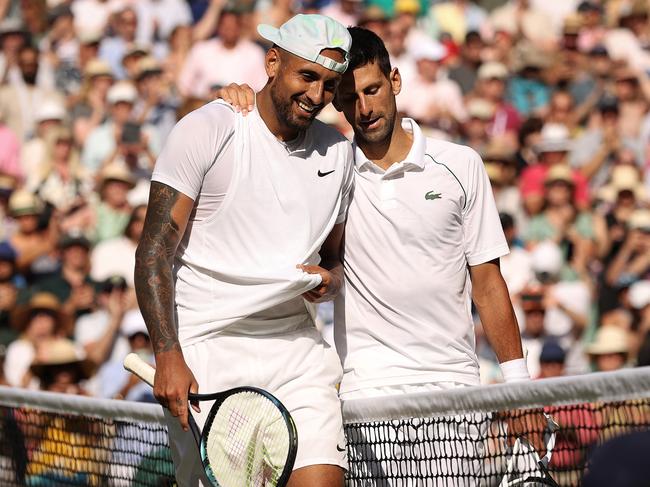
(559, 172)
(97, 67)
(61, 352)
(115, 172)
(49, 110)
(480, 108)
(491, 70)
(122, 91)
(498, 151)
(40, 301)
(639, 294)
(609, 339)
(623, 178)
(23, 202)
(148, 65)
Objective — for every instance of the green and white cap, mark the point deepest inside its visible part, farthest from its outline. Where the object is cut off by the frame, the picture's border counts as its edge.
(306, 35)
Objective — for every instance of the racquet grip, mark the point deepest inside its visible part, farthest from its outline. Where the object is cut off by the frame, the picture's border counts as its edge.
(134, 364)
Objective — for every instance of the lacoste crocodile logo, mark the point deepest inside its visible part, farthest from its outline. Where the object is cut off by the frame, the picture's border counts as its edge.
(432, 195)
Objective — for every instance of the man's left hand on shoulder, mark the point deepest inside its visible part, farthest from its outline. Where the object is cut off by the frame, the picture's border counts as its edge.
(327, 289)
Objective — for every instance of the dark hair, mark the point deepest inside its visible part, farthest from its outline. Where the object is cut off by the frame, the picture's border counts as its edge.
(530, 126)
(368, 48)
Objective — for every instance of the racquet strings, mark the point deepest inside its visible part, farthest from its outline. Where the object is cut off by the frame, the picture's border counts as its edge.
(248, 442)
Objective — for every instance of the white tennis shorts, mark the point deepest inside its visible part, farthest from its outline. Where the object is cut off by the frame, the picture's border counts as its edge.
(299, 368)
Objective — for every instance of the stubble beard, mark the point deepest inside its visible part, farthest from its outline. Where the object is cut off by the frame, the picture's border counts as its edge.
(283, 110)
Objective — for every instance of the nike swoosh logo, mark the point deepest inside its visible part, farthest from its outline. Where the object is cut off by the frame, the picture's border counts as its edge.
(321, 174)
(339, 448)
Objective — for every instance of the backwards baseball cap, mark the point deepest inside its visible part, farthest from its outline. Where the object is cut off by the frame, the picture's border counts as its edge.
(306, 35)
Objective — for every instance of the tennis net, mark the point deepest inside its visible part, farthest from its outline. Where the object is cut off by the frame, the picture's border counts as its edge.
(454, 438)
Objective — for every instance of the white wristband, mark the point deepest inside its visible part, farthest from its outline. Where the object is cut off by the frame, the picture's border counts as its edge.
(515, 370)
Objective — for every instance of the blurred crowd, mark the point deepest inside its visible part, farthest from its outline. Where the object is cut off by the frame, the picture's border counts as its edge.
(553, 95)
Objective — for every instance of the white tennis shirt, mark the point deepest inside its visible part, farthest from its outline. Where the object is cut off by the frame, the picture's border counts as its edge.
(261, 207)
(411, 233)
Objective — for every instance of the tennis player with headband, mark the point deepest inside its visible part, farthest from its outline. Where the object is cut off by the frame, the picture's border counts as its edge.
(243, 229)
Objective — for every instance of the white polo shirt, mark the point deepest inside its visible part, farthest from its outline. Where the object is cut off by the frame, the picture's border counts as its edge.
(411, 233)
(261, 207)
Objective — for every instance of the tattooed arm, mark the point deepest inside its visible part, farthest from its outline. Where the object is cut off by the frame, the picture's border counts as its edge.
(167, 215)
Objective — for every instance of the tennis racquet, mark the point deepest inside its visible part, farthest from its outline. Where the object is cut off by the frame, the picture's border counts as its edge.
(525, 467)
(249, 438)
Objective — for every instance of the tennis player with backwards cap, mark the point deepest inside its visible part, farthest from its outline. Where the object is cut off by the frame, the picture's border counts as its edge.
(244, 226)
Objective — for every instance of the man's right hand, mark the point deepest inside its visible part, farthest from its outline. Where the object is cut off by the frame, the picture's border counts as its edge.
(241, 97)
(172, 383)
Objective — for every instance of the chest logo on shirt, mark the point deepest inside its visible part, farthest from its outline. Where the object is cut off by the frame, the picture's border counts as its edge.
(432, 195)
(323, 174)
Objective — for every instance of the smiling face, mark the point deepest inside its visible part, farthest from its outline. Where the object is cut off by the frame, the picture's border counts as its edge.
(300, 89)
(366, 97)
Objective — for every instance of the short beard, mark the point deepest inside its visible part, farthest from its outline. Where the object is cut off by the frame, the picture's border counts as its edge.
(283, 111)
(380, 137)
(30, 78)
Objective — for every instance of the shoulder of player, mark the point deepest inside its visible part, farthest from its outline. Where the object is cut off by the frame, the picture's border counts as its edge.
(461, 157)
(216, 114)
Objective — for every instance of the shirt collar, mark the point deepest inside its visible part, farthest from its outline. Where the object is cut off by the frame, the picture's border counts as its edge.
(415, 157)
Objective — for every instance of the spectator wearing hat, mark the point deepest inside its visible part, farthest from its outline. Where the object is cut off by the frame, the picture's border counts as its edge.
(632, 102)
(528, 90)
(13, 37)
(49, 115)
(156, 105)
(531, 302)
(60, 179)
(232, 60)
(19, 99)
(376, 19)
(91, 108)
(99, 333)
(639, 298)
(474, 131)
(103, 144)
(131, 60)
(501, 159)
(41, 318)
(567, 302)
(592, 32)
(72, 284)
(105, 265)
(61, 366)
(491, 85)
(552, 149)
(561, 222)
(610, 350)
(632, 261)
(34, 238)
(551, 360)
(113, 211)
(432, 99)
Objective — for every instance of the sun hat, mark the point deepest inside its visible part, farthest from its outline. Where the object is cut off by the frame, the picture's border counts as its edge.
(62, 352)
(559, 172)
(554, 137)
(552, 352)
(40, 301)
(122, 92)
(609, 339)
(623, 178)
(116, 172)
(306, 35)
(428, 51)
(492, 70)
(49, 110)
(23, 202)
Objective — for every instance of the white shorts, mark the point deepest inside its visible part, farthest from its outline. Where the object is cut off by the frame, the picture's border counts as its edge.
(299, 368)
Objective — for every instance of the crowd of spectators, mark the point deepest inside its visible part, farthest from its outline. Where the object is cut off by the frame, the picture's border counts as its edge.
(553, 95)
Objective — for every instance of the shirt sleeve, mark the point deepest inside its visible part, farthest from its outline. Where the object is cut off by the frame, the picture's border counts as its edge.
(483, 236)
(348, 183)
(192, 147)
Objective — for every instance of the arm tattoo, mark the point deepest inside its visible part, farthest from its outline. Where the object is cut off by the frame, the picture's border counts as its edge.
(154, 260)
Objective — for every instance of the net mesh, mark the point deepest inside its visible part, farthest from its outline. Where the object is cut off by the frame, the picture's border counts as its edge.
(453, 438)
